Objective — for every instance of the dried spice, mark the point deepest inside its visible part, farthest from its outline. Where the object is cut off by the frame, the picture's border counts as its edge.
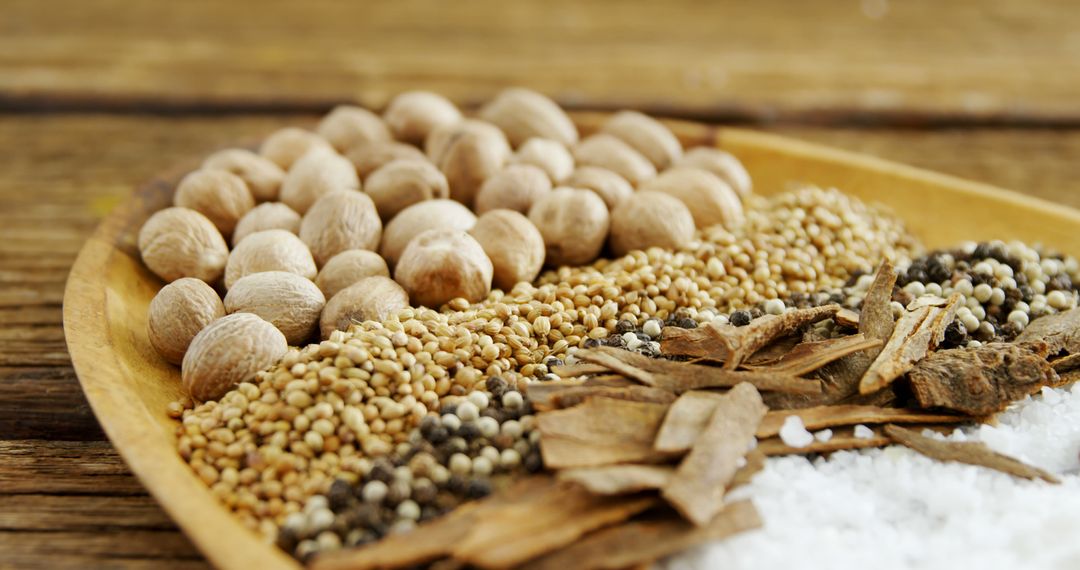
(876, 319)
(519, 533)
(1061, 332)
(982, 380)
(917, 333)
(541, 393)
(703, 342)
(679, 377)
(601, 431)
(577, 369)
(970, 452)
(569, 397)
(685, 420)
(775, 351)
(807, 357)
(845, 415)
(742, 342)
(847, 318)
(619, 479)
(697, 489)
(1066, 363)
(645, 541)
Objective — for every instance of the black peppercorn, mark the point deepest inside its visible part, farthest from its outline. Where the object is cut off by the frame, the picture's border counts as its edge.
(687, 324)
(469, 431)
(740, 318)
(533, 463)
(438, 435)
(955, 334)
(381, 470)
(624, 326)
(478, 488)
(456, 484)
(340, 495)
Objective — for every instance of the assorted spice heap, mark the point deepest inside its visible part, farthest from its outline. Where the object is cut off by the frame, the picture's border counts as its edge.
(444, 394)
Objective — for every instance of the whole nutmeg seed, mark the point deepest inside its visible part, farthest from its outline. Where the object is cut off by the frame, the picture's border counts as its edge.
(574, 224)
(179, 242)
(369, 157)
(513, 244)
(650, 219)
(516, 187)
(468, 153)
(611, 187)
(231, 350)
(266, 216)
(722, 164)
(548, 155)
(263, 177)
(523, 114)
(402, 183)
(315, 175)
(289, 302)
(285, 146)
(338, 222)
(219, 195)
(370, 299)
(440, 265)
(349, 267)
(413, 114)
(646, 135)
(420, 217)
(346, 126)
(711, 200)
(610, 152)
(269, 250)
(178, 312)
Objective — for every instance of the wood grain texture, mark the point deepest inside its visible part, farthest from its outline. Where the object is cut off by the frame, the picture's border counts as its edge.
(58, 179)
(845, 60)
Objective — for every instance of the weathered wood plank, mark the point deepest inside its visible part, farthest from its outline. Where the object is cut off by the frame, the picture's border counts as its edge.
(81, 513)
(837, 60)
(97, 549)
(64, 468)
(44, 402)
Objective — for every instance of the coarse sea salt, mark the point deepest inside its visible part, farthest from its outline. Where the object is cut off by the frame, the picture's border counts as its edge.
(893, 508)
(794, 433)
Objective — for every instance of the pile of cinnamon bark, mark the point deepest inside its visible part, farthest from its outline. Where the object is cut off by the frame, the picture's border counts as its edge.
(640, 452)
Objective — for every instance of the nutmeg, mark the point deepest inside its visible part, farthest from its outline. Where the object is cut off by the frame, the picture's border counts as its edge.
(610, 152)
(346, 126)
(179, 242)
(523, 114)
(219, 195)
(650, 219)
(231, 350)
(178, 312)
(349, 267)
(413, 114)
(723, 164)
(263, 177)
(369, 157)
(420, 217)
(315, 175)
(468, 153)
(711, 200)
(269, 250)
(286, 300)
(515, 187)
(574, 224)
(285, 146)
(513, 244)
(402, 183)
(371, 299)
(440, 265)
(611, 187)
(549, 155)
(340, 221)
(646, 135)
(266, 216)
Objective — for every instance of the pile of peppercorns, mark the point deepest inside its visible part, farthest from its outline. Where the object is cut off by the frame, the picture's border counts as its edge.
(458, 455)
(1005, 287)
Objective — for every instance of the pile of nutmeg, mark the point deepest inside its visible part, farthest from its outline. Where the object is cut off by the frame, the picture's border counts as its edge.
(318, 221)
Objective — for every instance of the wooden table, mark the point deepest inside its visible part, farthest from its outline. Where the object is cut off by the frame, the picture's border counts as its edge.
(96, 97)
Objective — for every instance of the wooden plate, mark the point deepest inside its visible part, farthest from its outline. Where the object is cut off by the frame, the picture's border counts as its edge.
(128, 385)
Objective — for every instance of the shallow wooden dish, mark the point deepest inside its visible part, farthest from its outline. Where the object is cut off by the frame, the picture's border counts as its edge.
(128, 385)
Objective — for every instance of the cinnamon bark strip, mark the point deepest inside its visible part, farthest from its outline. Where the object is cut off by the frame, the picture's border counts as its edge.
(645, 541)
(697, 489)
(876, 319)
(541, 393)
(847, 318)
(809, 356)
(970, 452)
(601, 431)
(745, 341)
(685, 420)
(916, 334)
(619, 479)
(577, 369)
(680, 377)
(514, 535)
(842, 439)
(570, 397)
(831, 416)
(702, 342)
(1061, 332)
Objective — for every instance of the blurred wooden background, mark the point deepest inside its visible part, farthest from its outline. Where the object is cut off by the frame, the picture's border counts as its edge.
(98, 96)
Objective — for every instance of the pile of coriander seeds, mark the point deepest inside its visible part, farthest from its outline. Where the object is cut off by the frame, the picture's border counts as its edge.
(309, 367)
